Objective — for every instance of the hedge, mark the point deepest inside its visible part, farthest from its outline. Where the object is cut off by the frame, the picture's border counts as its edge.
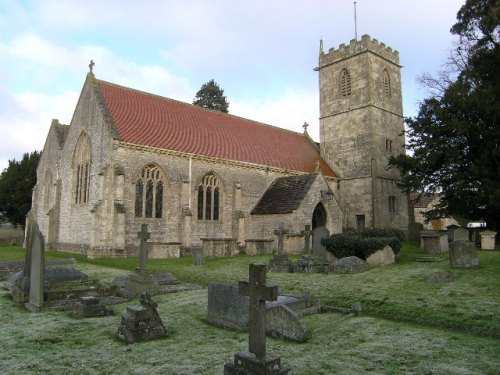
(363, 244)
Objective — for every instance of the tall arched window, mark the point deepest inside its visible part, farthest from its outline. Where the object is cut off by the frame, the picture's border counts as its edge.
(386, 83)
(149, 192)
(345, 83)
(209, 195)
(81, 169)
(47, 185)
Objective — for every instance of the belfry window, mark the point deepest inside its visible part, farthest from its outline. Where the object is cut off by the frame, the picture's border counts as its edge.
(392, 204)
(81, 170)
(209, 195)
(345, 83)
(149, 192)
(386, 83)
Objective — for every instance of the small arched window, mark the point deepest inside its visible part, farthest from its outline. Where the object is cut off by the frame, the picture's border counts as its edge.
(149, 192)
(209, 195)
(386, 83)
(345, 83)
(81, 169)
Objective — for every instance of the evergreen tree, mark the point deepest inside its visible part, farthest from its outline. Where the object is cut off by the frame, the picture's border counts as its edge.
(211, 96)
(16, 185)
(455, 138)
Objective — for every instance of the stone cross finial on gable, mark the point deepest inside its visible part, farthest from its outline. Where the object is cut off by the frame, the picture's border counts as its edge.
(143, 235)
(91, 66)
(305, 126)
(258, 293)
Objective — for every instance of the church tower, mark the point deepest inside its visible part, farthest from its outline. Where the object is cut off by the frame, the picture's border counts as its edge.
(361, 122)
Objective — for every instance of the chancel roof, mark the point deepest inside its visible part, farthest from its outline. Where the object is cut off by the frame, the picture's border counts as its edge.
(284, 195)
(150, 120)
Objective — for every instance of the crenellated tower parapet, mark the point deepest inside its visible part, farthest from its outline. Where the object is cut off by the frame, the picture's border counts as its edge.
(366, 44)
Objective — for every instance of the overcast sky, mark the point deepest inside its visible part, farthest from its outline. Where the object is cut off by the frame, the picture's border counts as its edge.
(260, 52)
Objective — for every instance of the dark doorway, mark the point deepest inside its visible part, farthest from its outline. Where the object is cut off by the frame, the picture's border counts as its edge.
(319, 217)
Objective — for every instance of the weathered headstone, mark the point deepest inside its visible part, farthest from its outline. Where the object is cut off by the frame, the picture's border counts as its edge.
(198, 255)
(318, 249)
(141, 323)
(256, 360)
(433, 241)
(37, 267)
(488, 240)
(228, 309)
(280, 261)
(463, 254)
(141, 281)
(88, 307)
(350, 264)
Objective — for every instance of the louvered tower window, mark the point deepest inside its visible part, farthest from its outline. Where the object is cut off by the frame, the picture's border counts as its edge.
(386, 83)
(345, 83)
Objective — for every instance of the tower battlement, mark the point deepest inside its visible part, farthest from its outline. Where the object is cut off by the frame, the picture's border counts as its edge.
(356, 47)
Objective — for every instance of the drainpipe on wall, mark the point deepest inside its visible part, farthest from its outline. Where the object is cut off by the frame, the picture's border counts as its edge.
(190, 175)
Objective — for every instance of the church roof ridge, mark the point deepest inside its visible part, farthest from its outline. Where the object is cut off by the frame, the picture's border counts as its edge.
(198, 107)
(143, 118)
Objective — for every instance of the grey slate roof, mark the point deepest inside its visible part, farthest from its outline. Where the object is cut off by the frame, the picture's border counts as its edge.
(284, 195)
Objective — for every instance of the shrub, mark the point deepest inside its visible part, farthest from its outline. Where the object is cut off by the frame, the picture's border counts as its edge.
(363, 244)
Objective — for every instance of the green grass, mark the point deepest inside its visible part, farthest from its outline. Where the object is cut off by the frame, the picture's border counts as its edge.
(448, 327)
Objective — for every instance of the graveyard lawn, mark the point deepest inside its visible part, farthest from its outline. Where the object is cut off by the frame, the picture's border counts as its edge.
(417, 318)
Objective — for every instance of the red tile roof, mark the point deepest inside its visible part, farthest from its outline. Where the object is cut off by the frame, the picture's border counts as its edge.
(422, 200)
(151, 120)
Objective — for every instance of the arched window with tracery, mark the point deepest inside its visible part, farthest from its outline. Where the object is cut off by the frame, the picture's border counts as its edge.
(149, 192)
(386, 83)
(345, 83)
(47, 187)
(209, 195)
(81, 169)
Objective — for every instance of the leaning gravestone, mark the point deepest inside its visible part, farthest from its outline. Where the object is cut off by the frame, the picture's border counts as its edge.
(141, 323)
(463, 254)
(256, 360)
(37, 267)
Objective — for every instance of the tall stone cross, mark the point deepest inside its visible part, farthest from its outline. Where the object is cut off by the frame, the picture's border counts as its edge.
(307, 234)
(258, 293)
(280, 232)
(143, 235)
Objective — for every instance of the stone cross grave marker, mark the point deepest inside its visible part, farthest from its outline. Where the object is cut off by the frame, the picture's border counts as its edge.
(258, 293)
(307, 234)
(143, 235)
(280, 232)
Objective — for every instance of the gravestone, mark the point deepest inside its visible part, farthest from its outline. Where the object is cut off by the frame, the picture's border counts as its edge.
(463, 254)
(228, 309)
(198, 255)
(256, 360)
(141, 281)
(350, 264)
(37, 267)
(88, 307)
(141, 323)
(318, 249)
(434, 242)
(280, 261)
(459, 233)
(488, 240)
(307, 239)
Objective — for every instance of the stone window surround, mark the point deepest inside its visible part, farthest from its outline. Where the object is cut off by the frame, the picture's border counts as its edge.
(345, 83)
(209, 197)
(150, 192)
(81, 170)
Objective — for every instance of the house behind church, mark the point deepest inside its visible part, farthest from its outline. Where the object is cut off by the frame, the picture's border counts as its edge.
(200, 177)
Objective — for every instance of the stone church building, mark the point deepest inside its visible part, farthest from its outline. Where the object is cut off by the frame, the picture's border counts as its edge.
(198, 177)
